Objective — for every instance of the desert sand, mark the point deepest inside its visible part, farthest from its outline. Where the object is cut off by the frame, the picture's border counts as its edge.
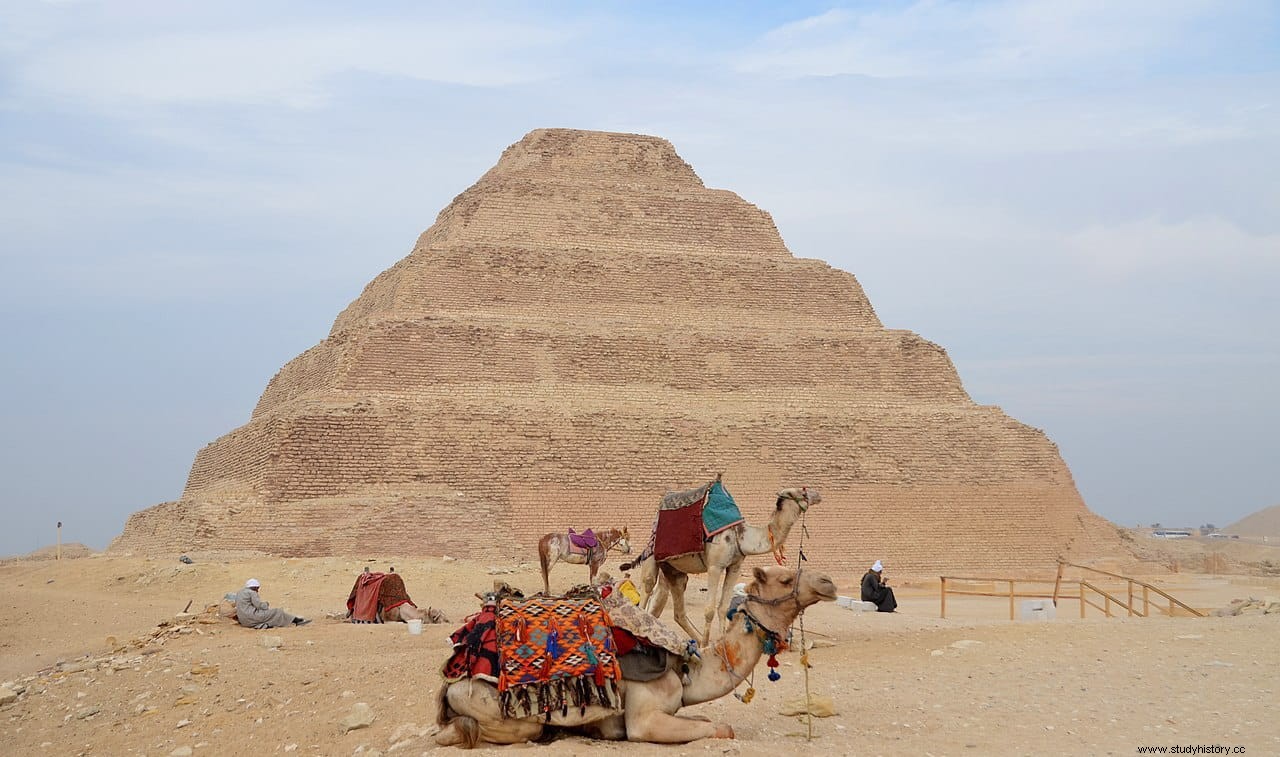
(97, 676)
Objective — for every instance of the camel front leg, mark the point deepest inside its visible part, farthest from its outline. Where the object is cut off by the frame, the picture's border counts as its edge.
(726, 595)
(715, 590)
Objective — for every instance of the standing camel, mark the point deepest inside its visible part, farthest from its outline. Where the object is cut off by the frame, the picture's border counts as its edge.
(468, 711)
(557, 546)
(721, 559)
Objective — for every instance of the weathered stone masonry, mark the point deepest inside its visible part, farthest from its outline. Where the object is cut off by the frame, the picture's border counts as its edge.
(587, 327)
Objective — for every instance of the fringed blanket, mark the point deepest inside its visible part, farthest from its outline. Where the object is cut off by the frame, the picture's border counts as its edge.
(555, 653)
(687, 519)
(475, 649)
(373, 593)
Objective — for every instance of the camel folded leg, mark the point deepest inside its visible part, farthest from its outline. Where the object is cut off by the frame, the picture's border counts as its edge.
(650, 716)
(474, 704)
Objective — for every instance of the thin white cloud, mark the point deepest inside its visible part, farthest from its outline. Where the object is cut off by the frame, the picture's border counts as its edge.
(1149, 246)
(1014, 38)
(289, 65)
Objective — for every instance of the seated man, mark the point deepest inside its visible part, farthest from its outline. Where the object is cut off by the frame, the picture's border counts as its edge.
(253, 611)
(875, 589)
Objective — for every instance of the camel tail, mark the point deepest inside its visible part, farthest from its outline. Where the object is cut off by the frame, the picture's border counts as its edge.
(469, 729)
(443, 715)
(645, 554)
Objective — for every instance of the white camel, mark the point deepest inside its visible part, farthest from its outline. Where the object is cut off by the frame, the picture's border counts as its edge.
(721, 559)
(469, 712)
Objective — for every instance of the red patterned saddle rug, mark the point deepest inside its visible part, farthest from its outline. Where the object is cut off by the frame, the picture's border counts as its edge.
(555, 653)
(679, 530)
(373, 593)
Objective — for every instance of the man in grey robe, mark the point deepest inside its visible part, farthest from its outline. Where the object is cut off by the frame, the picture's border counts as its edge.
(253, 611)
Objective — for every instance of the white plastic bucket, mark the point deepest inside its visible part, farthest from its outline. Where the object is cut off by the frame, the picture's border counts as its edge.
(415, 628)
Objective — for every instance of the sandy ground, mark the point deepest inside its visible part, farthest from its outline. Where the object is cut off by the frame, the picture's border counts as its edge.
(908, 683)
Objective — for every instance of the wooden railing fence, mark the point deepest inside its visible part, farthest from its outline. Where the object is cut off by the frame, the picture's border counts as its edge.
(1087, 593)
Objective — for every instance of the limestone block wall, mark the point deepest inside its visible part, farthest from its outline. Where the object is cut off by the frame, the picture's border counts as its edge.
(588, 327)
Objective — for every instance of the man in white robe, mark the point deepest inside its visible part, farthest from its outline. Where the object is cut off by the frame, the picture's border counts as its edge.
(253, 611)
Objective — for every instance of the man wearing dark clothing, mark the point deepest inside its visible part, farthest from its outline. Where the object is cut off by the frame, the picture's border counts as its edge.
(874, 590)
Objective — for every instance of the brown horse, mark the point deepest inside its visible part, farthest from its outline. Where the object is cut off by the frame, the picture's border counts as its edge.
(555, 547)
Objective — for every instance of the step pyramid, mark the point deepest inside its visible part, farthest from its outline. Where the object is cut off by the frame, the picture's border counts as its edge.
(587, 327)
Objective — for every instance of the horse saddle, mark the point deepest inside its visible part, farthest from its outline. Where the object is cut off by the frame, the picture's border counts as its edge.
(586, 540)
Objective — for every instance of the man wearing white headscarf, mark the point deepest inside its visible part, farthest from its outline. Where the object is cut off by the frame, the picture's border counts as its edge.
(253, 611)
(876, 590)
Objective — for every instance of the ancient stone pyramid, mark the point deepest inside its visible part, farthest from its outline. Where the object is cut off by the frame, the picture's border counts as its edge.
(587, 327)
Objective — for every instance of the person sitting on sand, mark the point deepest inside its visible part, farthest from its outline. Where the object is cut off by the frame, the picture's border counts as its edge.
(875, 589)
(253, 611)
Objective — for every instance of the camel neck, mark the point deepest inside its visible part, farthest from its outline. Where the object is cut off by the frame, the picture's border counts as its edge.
(757, 540)
(729, 661)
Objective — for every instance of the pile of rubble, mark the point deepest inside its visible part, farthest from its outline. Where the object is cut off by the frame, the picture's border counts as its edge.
(120, 657)
(1250, 606)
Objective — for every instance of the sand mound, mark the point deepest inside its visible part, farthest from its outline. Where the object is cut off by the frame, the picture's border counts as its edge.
(1265, 522)
(70, 550)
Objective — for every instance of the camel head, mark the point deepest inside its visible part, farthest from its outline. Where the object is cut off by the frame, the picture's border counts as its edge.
(804, 498)
(776, 595)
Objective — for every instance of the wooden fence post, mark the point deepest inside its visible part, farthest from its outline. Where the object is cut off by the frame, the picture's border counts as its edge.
(944, 597)
(1011, 600)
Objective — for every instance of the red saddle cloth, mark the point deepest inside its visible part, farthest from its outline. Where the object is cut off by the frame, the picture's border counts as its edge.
(373, 593)
(475, 649)
(679, 530)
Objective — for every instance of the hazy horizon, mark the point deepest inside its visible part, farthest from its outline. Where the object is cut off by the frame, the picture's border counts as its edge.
(1069, 197)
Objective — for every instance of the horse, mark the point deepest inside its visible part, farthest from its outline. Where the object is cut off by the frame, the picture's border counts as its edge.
(554, 547)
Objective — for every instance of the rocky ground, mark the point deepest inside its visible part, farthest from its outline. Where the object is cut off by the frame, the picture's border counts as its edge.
(98, 662)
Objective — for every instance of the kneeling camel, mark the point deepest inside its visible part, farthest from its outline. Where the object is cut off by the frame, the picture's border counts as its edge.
(469, 713)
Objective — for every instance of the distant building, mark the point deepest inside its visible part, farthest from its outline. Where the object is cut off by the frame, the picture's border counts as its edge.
(1170, 533)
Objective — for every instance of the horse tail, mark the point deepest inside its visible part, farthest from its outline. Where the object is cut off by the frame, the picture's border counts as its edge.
(544, 557)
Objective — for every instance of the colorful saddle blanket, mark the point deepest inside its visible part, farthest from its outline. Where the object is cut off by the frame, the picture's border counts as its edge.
(555, 653)
(373, 593)
(687, 519)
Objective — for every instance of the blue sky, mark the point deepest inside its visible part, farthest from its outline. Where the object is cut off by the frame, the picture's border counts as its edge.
(1077, 199)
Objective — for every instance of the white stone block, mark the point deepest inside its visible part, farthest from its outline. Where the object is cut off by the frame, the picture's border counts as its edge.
(1038, 610)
